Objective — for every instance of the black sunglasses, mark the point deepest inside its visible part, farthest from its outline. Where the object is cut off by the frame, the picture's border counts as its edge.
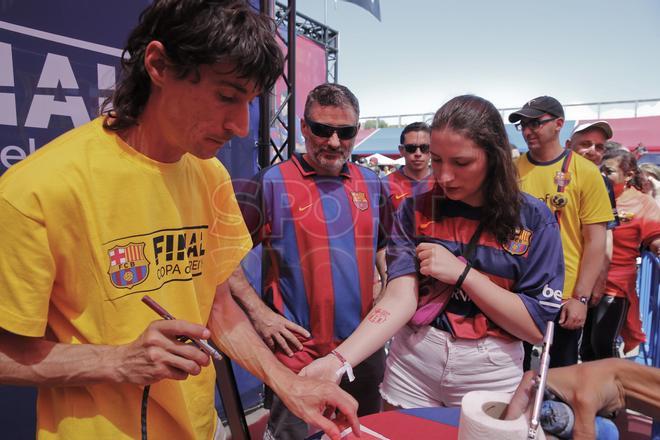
(411, 148)
(344, 133)
(534, 124)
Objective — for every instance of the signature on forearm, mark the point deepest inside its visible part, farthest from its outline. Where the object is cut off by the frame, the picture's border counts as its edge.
(378, 315)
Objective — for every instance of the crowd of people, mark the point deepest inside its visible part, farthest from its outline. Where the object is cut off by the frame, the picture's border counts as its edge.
(475, 251)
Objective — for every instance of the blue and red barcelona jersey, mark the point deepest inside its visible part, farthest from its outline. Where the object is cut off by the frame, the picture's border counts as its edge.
(320, 237)
(399, 187)
(531, 265)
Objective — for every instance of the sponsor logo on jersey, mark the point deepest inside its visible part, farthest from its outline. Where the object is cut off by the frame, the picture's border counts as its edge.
(626, 216)
(550, 293)
(559, 200)
(460, 295)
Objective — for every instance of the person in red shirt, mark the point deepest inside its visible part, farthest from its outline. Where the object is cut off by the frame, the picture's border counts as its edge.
(639, 215)
(415, 176)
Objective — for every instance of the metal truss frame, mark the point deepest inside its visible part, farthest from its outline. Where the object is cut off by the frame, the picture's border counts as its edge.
(283, 119)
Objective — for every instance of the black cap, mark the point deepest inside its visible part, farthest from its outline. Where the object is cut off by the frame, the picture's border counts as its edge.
(537, 107)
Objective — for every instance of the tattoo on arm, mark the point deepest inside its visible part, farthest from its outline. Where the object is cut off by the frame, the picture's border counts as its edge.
(378, 315)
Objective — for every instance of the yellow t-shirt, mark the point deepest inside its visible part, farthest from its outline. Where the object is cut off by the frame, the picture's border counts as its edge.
(89, 226)
(583, 201)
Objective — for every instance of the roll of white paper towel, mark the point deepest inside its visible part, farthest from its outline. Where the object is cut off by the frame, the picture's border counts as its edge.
(480, 418)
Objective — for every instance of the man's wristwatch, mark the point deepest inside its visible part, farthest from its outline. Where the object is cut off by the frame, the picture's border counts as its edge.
(582, 299)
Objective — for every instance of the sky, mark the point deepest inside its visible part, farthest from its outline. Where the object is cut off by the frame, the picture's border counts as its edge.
(425, 52)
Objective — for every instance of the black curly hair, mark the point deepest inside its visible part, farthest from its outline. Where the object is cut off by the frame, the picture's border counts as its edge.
(194, 33)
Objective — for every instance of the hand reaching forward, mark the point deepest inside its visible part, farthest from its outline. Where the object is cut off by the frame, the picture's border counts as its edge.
(157, 353)
(436, 261)
(595, 388)
(315, 401)
(277, 331)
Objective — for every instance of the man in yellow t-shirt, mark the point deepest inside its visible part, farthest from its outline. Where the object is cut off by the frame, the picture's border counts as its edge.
(135, 203)
(574, 190)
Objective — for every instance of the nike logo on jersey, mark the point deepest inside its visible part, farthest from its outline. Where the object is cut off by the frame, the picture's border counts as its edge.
(400, 196)
(424, 225)
(303, 208)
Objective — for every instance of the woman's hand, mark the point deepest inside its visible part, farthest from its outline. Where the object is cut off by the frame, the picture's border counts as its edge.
(436, 261)
(324, 368)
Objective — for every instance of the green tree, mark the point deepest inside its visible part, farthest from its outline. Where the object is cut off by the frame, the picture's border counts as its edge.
(375, 123)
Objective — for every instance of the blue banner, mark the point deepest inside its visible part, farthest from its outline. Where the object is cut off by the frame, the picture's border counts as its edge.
(56, 67)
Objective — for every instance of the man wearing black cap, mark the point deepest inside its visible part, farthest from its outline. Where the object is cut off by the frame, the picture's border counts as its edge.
(573, 189)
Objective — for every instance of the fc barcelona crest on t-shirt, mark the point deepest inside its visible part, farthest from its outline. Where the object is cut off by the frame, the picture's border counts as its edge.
(562, 179)
(520, 244)
(360, 200)
(128, 265)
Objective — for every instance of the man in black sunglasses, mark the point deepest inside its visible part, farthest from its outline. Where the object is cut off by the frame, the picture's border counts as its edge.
(413, 178)
(415, 175)
(574, 190)
(321, 220)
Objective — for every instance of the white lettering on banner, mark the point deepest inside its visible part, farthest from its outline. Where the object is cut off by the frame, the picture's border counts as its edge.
(8, 109)
(7, 66)
(6, 153)
(60, 73)
(7, 100)
(105, 76)
(57, 70)
(44, 106)
(549, 292)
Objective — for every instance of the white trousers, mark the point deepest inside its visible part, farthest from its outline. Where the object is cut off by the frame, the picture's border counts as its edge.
(428, 368)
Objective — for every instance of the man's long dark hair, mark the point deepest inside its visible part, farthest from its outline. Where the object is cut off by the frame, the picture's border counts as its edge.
(478, 120)
(195, 33)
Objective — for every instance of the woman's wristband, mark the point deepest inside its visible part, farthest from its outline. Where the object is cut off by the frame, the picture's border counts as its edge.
(461, 278)
(345, 366)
